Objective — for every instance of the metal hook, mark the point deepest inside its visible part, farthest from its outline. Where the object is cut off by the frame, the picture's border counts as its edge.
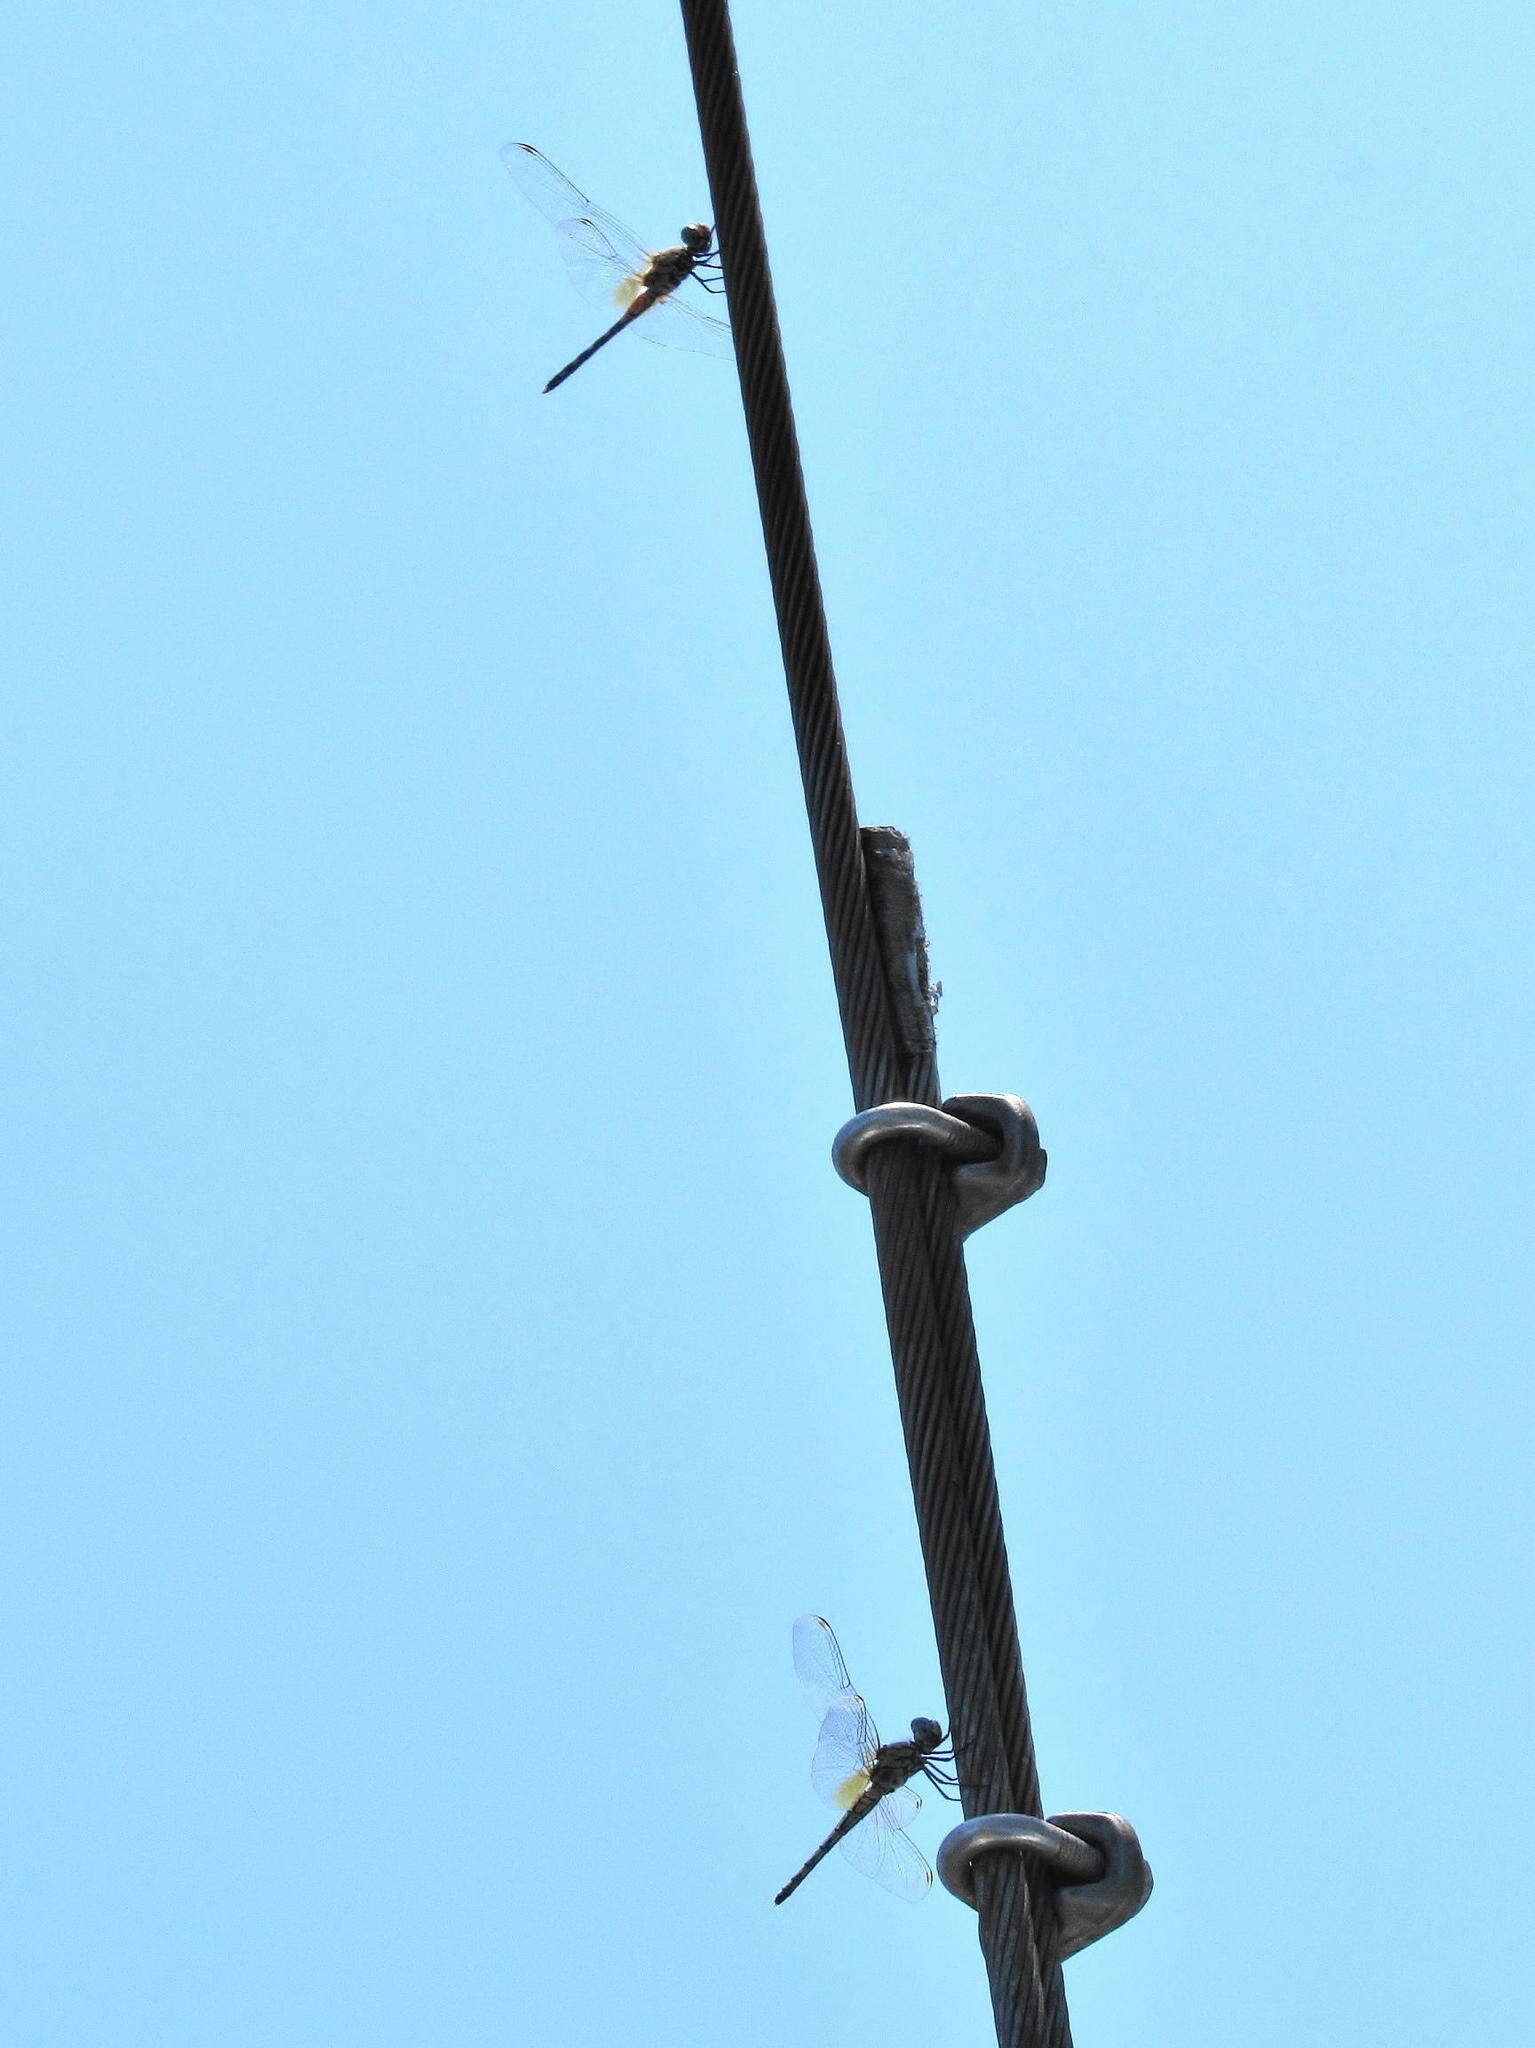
(1102, 1878)
(993, 1140)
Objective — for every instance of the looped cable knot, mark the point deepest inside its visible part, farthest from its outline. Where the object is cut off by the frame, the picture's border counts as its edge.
(1102, 1877)
(993, 1141)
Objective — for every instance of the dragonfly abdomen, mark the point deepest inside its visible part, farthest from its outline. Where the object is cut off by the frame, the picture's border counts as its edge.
(852, 1789)
(861, 1793)
(855, 1813)
(640, 303)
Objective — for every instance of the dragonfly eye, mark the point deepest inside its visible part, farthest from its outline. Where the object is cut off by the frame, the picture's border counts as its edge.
(926, 1734)
(696, 238)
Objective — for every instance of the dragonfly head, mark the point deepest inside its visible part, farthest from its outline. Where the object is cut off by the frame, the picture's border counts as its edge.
(926, 1734)
(696, 238)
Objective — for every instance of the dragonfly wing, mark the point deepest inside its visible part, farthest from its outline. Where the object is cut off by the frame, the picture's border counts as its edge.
(880, 1850)
(898, 1809)
(818, 1662)
(598, 271)
(675, 324)
(843, 1752)
(541, 184)
(558, 200)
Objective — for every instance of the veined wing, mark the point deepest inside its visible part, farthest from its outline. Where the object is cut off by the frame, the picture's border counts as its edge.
(818, 1661)
(880, 1849)
(839, 1769)
(598, 270)
(558, 200)
(898, 1809)
(675, 324)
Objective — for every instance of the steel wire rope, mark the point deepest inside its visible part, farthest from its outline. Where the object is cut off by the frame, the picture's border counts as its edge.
(922, 1274)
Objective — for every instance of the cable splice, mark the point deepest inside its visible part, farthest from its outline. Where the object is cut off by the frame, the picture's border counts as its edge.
(922, 1274)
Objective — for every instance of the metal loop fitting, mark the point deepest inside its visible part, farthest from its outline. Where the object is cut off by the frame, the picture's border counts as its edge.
(993, 1139)
(1102, 1878)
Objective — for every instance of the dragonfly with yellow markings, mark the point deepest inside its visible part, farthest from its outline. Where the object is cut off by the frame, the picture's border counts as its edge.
(867, 1778)
(609, 263)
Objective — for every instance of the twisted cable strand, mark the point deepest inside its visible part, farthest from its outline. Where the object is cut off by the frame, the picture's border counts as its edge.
(927, 1304)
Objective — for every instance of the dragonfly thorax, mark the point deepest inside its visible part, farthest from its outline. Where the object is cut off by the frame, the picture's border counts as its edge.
(696, 238)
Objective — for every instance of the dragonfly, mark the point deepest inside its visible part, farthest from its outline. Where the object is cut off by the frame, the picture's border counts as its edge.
(608, 262)
(867, 1778)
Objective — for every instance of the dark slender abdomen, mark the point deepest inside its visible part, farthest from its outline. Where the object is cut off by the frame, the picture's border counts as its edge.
(850, 1819)
(893, 1764)
(633, 313)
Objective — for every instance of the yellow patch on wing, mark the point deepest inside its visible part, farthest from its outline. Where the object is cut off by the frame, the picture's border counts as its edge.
(852, 1789)
(627, 292)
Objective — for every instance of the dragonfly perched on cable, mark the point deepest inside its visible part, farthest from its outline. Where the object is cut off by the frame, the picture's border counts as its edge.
(609, 263)
(867, 1778)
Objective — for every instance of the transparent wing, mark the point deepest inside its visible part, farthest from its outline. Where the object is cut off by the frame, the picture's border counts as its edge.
(558, 200)
(598, 270)
(898, 1809)
(843, 1751)
(676, 324)
(879, 1849)
(818, 1662)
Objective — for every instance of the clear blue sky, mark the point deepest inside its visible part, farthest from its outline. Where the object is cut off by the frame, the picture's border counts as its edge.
(440, 1360)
